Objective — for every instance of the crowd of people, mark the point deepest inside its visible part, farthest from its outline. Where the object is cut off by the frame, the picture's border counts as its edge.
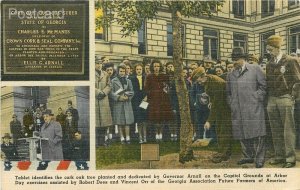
(60, 137)
(247, 98)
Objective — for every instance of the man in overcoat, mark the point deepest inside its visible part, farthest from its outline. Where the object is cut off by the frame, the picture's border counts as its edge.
(103, 112)
(283, 73)
(15, 129)
(52, 131)
(28, 123)
(246, 90)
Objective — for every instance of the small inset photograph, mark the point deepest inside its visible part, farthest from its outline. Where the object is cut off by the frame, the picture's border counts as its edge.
(45, 128)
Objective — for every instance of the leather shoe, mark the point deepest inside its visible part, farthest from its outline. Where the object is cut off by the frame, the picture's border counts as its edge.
(289, 165)
(259, 165)
(276, 162)
(245, 161)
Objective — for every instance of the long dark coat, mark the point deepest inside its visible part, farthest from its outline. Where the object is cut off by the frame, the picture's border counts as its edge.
(246, 93)
(140, 114)
(103, 112)
(52, 149)
(16, 130)
(123, 113)
(159, 109)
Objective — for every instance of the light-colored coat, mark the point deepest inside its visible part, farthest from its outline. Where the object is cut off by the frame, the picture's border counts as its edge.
(246, 93)
(52, 149)
(123, 113)
(103, 113)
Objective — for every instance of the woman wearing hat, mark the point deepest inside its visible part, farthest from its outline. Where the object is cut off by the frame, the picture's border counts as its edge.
(215, 88)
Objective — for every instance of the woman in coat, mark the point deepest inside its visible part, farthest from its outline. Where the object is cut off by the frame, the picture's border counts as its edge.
(122, 93)
(159, 110)
(140, 114)
(103, 112)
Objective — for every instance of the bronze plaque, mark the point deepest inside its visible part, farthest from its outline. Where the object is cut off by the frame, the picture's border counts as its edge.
(149, 152)
(45, 38)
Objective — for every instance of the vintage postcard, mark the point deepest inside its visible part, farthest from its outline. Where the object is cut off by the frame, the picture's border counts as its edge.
(45, 40)
(181, 95)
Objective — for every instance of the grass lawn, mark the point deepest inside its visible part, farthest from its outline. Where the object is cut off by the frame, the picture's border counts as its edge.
(121, 154)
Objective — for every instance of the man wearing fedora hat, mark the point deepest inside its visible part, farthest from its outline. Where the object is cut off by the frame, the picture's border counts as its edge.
(283, 73)
(246, 90)
(15, 128)
(28, 122)
(52, 131)
(8, 148)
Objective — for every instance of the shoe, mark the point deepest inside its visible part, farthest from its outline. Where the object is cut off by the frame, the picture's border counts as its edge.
(123, 142)
(141, 141)
(217, 158)
(289, 165)
(277, 161)
(127, 142)
(245, 161)
(259, 165)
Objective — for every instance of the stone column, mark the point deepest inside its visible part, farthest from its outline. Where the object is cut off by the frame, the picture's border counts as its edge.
(14, 100)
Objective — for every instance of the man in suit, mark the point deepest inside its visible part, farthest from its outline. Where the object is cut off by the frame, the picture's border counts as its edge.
(16, 129)
(52, 131)
(73, 110)
(28, 123)
(283, 73)
(246, 90)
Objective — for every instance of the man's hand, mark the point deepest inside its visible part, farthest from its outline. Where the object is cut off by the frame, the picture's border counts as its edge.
(207, 125)
(145, 99)
(123, 98)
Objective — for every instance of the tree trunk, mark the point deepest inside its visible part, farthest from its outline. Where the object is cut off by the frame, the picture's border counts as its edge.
(186, 128)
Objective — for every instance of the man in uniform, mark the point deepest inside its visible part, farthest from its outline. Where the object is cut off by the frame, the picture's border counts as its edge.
(219, 114)
(283, 72)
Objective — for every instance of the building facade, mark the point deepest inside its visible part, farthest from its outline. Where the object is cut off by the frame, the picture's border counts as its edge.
(15, 99)
(238, 23)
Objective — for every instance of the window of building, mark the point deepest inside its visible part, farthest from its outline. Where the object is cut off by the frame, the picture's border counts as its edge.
(142, 39)
(99, 31)
(211, 43)
(294, 39)
(238, 8)
(263, 41)
(293, 4)
(240, 40)
(267, 7)
(170, 39)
